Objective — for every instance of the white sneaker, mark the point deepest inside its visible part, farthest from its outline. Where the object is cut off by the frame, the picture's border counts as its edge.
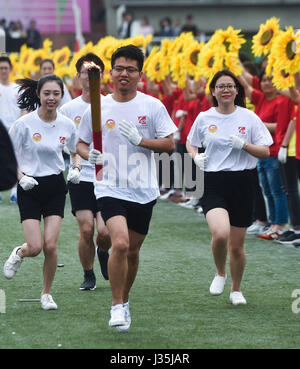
(255, 228)
(126, 326)
(217, 285)
(47, 302)
(237, 298)
(166, 195)
(12, 264)
(117, 315)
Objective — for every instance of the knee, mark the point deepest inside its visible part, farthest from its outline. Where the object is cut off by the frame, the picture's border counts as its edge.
(50, 248)
(103, 239)
(121, 245)
(33, 249)
(236, 251)
(87, 231)
(220, 237)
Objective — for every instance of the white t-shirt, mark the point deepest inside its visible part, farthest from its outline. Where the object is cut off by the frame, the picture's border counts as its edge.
(9, 110)
(74, 110)
(66, 98)
(214, 129)
(38, 145)
(129, 171)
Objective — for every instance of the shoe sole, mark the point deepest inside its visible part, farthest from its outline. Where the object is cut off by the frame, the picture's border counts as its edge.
(117, 323)
(87, 289)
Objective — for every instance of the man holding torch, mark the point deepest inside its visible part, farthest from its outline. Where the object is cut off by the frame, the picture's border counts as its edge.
(134, 125)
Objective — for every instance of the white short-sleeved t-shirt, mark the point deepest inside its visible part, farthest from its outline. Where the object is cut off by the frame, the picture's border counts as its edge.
(9, 110)
(38, 145)
(214, 129)
(129, 171)
(74, 110)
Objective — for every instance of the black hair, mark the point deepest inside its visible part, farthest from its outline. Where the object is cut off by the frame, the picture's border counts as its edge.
(240, 99)
(129, 52)
(30, 89)
(47, 60)
(6, 59)
(90, 57)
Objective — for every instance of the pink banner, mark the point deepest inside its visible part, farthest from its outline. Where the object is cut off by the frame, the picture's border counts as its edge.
(51, 16)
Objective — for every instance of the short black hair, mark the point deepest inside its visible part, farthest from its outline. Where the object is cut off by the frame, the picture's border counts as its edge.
(6, 59)
(129, 52)
(89, 57)
(240, 98)
(47, 60)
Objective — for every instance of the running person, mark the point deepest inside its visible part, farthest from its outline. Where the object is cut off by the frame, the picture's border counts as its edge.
(133, 126)
(38, 139)
(235, 137)
(83, 200)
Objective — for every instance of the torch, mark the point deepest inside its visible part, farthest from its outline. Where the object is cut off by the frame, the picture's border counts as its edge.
(95, 96)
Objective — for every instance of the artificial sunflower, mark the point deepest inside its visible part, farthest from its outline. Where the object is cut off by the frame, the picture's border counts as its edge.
(34, 61)
(282, 80)
(191, 55)
(154, 51)
(209, 62)
(230, 38)
(284, 51)
(61, 57)
(47, 46)
(155, 70)
(25, 53)
(232, 63)
(270, 63)
(262, 42)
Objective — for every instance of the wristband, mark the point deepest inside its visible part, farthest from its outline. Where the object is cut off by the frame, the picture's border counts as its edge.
(285, 147)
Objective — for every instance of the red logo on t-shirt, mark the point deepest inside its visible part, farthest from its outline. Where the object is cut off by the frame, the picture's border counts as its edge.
(142, 119)
(242, 130)
(62, 140)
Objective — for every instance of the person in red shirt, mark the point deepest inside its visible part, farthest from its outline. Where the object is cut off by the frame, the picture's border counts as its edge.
(267, 106)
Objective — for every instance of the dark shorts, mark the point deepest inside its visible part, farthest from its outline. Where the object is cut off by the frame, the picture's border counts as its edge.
(82, 197)
(45, 199)
(138, 216)
(230, 190)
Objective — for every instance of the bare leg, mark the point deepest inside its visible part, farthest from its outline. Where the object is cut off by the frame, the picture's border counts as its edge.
(117, 262)
(218, 222)
(237, 259)
(52, 227)
(86, 246)
(136, 240)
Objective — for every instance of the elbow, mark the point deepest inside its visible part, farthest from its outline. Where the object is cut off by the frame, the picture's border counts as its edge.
(171, 147)
(265, 153)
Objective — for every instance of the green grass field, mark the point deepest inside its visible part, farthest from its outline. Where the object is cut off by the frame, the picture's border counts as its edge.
(170, 302)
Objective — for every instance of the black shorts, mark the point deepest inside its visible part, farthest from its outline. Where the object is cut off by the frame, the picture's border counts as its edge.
(230, 190)
(138, 216)
(82, 197)
(45, 199)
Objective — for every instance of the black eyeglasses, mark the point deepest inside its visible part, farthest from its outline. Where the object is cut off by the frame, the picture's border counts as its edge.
(120, 69)
(229, 87)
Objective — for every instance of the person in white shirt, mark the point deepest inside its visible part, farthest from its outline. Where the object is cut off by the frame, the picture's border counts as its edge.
(83, 200)
(9, 110)
(38, 139)
(234, 138)
(133, 126)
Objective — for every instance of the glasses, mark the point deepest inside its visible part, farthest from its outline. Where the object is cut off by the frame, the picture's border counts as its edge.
(223, 87)
(120, 69)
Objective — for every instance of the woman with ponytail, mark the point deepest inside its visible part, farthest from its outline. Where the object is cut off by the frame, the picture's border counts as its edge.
(39, 138)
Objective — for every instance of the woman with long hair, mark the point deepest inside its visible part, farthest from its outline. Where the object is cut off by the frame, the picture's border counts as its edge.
(38, 139)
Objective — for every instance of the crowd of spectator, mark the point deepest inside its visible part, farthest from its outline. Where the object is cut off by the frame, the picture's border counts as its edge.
(16, 35)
